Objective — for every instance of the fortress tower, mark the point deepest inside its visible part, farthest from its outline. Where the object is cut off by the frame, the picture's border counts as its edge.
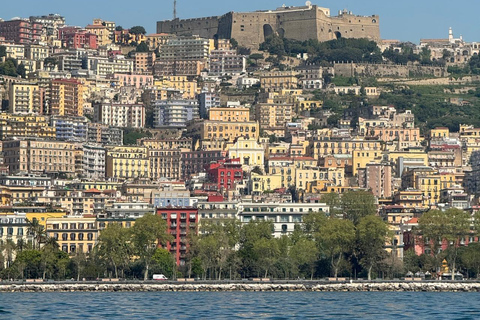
(300, 23)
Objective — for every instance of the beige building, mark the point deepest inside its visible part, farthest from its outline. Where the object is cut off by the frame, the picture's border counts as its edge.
(165, 163)
(27, 98)
(213, 130)
(143, 62)
(39, 156)
(231, 114)
(25, 126)
(273, 117)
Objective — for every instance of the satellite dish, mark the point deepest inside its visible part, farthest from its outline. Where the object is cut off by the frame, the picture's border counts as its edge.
(308, 3)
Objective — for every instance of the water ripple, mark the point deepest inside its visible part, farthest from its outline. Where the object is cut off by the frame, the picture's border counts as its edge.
(240, 305)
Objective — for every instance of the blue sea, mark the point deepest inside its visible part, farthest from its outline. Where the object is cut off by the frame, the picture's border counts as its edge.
(240, 305)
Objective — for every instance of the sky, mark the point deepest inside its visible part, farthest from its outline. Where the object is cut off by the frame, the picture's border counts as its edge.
(405, 20)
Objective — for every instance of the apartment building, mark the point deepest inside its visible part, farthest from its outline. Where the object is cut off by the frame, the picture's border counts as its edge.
(21, 31)
(127, 162)
(25, 126)
(39, 156)
(120, 115)
(175, 113)
(73, 234)
(66, 97)
(26, 98)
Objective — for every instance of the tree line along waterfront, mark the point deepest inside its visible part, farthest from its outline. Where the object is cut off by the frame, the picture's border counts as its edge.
(350, 241)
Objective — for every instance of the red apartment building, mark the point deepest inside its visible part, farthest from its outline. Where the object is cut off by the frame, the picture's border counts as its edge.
(180, 222)
(79, 38)
(226, 173)
(21, 31)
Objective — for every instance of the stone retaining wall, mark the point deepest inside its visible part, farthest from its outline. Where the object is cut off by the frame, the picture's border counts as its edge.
(321, 287)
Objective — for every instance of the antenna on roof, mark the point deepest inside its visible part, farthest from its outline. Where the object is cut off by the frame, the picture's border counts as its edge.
(174, 9)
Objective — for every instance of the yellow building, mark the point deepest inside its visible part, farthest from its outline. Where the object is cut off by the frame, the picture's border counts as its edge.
(326, 146)
(212, 130)
(66, 97)
(27, 98)
(261, 183)
(73, 234)
(25, 194)
(25, 126)
(306, 105)
(42, 217)
(102, 32)
(234, 114)
(189, 89)
(279, 80)
(156, 40)
(430, 186)
(440, 133)
(249, 151)
(127, 162)
(360, 159)
(332, 176)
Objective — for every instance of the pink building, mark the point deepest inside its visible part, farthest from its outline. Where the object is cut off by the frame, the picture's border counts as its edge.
(75, 39)
(21, 31)
(133, 80)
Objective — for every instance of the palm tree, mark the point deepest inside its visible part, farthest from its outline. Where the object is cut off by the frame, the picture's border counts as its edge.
(9, 248)
(37, 232)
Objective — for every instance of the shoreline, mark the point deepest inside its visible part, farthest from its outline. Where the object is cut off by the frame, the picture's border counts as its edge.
(247, 287)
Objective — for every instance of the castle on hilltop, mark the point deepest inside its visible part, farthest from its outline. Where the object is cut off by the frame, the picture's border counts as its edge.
(300, 23)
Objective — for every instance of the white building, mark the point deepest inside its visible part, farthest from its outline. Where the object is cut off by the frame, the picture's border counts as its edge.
(283, 215)
(120, 115)
(93, 161)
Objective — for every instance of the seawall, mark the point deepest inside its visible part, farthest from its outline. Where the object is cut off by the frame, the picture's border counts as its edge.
(251, 287)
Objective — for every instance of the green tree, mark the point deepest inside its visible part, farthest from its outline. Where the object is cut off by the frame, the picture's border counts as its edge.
(3, 51)
(449, 227)
(334, 203)
(142, 47)
(358, 204)
(114, 246)
(233, 43)
(49, 257)
(164, 263)
(372, 233)
(21, 70)
(50, 62)
(249, 235)
(147, 233)
(470, 258)
(137, 30)
(313, 222)
(266, 251)
(304, 253)
(336, 238)
(37, 232)
(29, 263)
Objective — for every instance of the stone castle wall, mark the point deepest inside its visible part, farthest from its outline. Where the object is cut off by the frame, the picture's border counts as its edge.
(299, 23)
(387, 70)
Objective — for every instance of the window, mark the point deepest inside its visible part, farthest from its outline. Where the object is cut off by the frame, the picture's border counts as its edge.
(72, 236)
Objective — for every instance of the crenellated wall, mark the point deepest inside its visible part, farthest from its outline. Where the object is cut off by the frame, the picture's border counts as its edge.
(299, 23)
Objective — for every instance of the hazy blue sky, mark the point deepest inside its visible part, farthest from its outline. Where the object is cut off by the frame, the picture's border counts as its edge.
(399, 19)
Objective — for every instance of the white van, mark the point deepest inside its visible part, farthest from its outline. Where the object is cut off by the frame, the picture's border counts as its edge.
(159, 277)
